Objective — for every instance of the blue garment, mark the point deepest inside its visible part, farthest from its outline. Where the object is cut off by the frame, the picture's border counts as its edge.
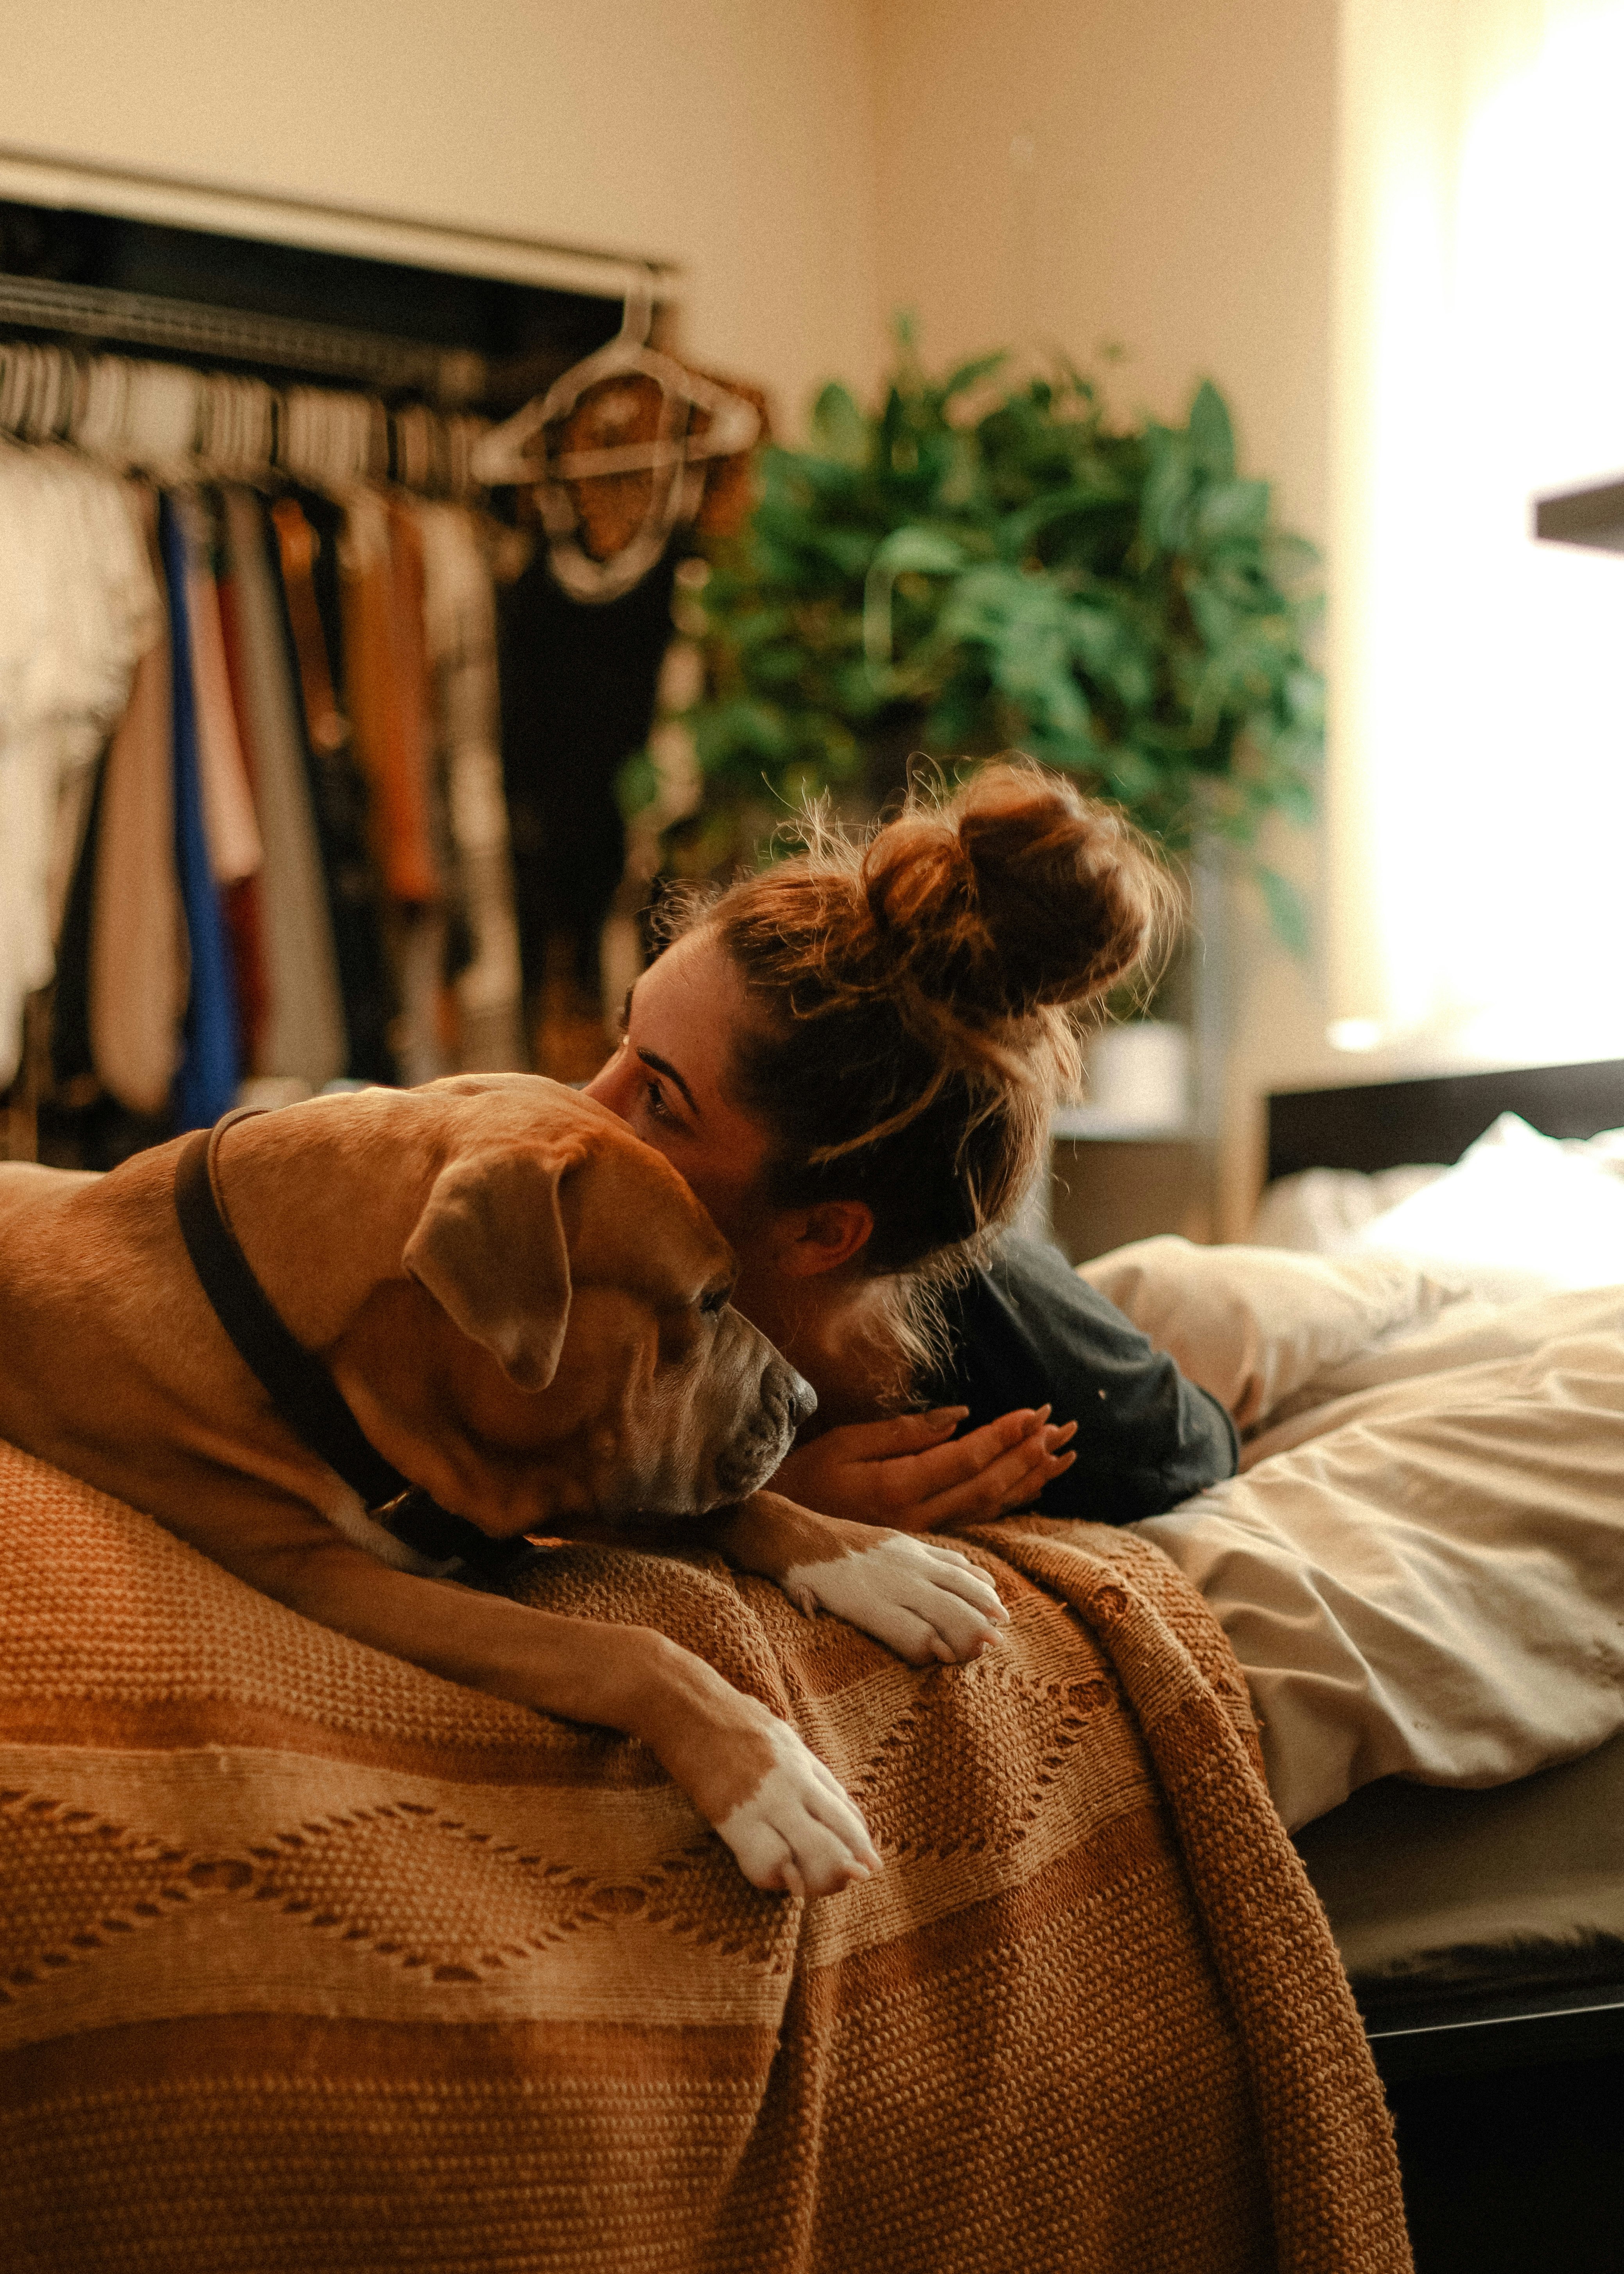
(210, 1068)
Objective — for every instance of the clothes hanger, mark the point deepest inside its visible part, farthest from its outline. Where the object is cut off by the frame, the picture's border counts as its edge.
(508, 455)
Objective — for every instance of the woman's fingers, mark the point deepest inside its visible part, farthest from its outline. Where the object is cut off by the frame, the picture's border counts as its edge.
(907, 1482)
(1026, 1493)
(888, 1441)
(1013, 1480)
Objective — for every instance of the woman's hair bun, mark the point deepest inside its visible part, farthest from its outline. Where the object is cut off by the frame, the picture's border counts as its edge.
(911, 990)
(1014, 894)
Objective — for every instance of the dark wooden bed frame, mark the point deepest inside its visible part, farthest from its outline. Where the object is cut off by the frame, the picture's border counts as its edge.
(1509, 2106)
(1387, 1125)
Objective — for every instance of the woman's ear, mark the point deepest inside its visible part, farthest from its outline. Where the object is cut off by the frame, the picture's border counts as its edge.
(811, 1240)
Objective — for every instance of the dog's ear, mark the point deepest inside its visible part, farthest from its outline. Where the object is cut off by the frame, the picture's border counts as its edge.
(490, 1247)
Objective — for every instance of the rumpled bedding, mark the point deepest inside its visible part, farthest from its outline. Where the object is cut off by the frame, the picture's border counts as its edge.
(1421, 1566)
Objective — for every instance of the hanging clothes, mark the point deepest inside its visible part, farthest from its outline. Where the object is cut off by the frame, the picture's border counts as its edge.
(79, 607)
(304, 1036)
(578, 685)
(386, 683)
(210, 1065)
(71, 1061)
(139, 969)
(381, 560)
(244, 901)
(307, 534)
(230, 824)
(235, 853)
(460, 629)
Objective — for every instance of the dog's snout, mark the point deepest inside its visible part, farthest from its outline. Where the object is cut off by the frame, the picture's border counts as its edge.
(784, 1400)
(788, 1394)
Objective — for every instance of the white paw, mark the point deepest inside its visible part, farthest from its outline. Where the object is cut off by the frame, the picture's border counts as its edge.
(797, 1831)
(922, 1599)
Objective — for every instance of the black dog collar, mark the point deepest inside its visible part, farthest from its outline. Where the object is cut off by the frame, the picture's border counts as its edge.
(299, 1386)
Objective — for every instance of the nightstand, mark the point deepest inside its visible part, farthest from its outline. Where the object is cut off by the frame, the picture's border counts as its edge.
(1113, 1181)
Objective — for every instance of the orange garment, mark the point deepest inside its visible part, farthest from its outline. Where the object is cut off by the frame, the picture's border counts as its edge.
(297, 542)
(387, 667)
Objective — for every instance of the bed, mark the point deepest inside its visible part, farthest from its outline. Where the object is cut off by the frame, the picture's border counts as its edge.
(1491, 2002)
(1483, 1929)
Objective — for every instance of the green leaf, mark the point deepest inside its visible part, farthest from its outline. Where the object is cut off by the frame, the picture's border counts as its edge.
(971, 374)
(1304, 693)
(1212, 436)
(925, 551)
(1232, 509)
(1164, 510)
(1286, 911)
(840, 427)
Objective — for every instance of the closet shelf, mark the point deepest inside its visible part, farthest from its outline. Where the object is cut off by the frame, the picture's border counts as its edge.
(1593, 515)
(450, 376)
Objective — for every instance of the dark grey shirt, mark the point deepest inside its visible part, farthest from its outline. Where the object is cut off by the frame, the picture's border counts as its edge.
(1026, 1330)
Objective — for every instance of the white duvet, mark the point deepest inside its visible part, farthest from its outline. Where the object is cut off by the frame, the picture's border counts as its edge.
(1421, 1566)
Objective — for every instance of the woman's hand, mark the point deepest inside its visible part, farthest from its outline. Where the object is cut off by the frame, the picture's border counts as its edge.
(914, 1474)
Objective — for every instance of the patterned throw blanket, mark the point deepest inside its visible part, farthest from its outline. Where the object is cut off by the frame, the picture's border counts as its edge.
(311, 1960)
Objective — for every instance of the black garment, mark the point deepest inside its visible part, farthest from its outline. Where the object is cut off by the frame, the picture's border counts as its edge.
(71, 1055)
(1027, 1331)
(339, 800)
(578, 684)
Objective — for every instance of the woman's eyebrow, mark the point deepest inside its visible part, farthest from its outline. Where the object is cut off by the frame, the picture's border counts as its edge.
(664, 1066)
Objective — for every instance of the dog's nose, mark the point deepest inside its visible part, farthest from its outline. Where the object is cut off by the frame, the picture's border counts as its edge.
(787, 1396)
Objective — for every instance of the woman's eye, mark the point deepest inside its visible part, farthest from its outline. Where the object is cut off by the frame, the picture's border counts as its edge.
(654, 1099)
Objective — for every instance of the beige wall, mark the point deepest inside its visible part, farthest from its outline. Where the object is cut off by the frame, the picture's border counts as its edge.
(734, 135)
(1024, 170)
(1084, 171)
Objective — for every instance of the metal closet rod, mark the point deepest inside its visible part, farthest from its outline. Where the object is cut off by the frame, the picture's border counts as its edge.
(374, 360)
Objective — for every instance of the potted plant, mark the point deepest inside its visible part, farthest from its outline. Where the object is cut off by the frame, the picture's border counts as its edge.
(973, 568)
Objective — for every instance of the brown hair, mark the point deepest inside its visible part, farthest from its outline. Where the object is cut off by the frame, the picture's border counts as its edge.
(921, 987)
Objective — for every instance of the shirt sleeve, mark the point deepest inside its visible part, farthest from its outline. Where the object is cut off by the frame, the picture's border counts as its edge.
(1026, 1330)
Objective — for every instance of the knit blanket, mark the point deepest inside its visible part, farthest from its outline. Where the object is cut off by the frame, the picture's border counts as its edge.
(312, 1961)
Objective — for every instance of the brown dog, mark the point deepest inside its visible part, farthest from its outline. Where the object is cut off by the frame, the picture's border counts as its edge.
(526, 1310)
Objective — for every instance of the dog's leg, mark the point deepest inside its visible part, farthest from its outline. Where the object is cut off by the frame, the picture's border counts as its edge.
(923, 1599)
(776, 1806)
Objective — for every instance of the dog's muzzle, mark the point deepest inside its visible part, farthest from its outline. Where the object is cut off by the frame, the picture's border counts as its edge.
(784, 1400)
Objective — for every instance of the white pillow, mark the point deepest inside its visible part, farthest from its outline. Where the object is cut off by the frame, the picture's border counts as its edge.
(1317, 1210)
(1518, 1215)
(1252, 1324)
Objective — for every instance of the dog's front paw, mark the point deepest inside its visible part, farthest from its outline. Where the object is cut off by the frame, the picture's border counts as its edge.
(923, 1600)
(796, 1831)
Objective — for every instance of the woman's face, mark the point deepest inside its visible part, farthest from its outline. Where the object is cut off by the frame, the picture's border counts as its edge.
(667, 1081)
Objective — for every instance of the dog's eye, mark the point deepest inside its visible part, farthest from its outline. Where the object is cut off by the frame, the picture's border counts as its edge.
(715, 1302)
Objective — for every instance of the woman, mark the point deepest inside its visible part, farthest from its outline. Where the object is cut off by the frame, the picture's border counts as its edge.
(853, 1057)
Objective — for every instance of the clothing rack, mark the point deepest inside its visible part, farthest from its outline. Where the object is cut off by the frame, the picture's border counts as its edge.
(448, 377)
(215, 425)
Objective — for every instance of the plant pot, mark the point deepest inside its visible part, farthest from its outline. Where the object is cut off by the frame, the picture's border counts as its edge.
(1138, 1074)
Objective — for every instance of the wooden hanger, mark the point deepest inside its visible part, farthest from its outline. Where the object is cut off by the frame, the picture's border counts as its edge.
(516, 454)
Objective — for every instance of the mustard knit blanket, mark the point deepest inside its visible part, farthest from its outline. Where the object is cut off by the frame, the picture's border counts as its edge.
(311, 1961)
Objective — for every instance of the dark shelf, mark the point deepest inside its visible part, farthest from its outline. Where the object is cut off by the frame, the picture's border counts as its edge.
(1593, 515)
